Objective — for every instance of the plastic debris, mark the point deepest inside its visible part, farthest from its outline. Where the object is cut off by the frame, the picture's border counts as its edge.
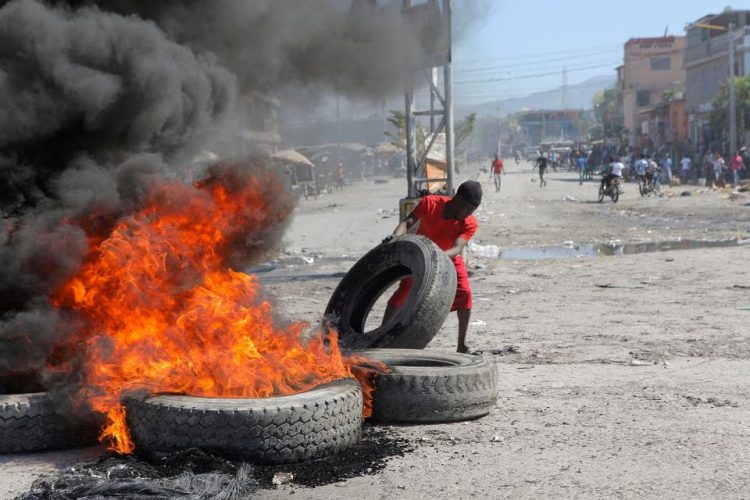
(282, 478)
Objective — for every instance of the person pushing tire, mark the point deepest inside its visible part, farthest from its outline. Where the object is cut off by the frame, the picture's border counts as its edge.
(449, 223)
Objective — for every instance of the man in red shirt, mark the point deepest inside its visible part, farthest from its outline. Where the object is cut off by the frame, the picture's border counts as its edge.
(496, 171)
(735, 166)
(449, 224)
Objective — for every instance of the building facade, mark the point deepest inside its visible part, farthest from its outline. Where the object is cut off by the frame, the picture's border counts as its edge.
(545, 125)
(651, 67)
(707, 66)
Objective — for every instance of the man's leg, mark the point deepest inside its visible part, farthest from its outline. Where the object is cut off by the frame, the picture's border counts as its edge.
(463, 326)
(388, 314)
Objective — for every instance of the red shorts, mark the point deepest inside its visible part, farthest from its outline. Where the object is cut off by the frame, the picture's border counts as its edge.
(463, 288)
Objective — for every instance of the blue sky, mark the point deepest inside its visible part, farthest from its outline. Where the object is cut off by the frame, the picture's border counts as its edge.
(518, 41)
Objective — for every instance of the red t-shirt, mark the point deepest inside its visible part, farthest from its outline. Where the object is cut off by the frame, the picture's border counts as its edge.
(443, 232)
(497, 166)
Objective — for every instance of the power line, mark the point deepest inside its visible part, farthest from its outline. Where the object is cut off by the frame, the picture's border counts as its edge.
(533, 75)
(525, 92)
(533, 63)
(538, 54)
(538, 69)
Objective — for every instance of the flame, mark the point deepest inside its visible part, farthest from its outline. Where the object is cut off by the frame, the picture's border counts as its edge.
(163, 312)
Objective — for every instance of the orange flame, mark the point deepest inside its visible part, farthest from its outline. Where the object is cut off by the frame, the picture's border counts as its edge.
(164, 313)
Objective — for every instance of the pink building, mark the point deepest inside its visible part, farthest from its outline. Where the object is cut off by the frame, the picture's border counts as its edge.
(650, 67)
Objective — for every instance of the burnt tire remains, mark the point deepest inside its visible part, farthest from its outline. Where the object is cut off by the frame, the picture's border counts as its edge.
(284, 429)
(31, 422)
(426, 307)
(429, 386)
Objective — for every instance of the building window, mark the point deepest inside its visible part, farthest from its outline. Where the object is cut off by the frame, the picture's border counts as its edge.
(643, 97)
(661, 63)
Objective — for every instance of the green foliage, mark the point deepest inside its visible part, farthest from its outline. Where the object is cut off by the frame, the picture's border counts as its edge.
(607, 116)
(464, 128)
(398, 120)
(719, 114)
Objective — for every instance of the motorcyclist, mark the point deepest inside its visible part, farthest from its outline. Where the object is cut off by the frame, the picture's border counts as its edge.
(651, 173)
(612, 171)
(640, 168)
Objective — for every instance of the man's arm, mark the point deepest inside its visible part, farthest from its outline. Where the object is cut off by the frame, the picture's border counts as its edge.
(404, 226)
(458, 247)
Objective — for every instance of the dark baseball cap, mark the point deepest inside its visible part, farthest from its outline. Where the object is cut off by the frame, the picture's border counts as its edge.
(470, 192)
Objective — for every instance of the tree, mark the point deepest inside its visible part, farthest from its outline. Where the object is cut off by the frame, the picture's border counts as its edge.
(398, 120)
(719, 115)
(607, 113)
(464, 128)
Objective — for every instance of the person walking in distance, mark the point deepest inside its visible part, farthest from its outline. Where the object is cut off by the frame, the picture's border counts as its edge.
(449, 223)
(735, 166)
(685, 165)
(581, 165)
(541, 163)
(340, 176)
(667, 169)
(497, 171)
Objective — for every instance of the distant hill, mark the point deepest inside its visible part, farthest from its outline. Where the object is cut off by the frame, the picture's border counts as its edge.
(579, 96)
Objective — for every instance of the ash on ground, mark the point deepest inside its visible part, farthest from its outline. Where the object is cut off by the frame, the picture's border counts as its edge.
(198, 475)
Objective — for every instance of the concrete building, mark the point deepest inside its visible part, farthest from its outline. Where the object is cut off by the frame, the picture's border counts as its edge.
(545, 125)
(664, 128)
(707, 66)
(650, 67)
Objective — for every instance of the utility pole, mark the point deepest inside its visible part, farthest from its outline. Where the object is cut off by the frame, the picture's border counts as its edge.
(732, 96)
(338, 125)
(448, 92)
(497, 146)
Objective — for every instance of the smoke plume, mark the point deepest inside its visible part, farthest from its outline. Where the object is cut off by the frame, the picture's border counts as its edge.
(94, 103)
(355, 47)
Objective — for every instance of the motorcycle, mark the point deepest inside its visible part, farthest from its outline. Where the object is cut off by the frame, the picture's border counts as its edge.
(648, 186)
(613, 191)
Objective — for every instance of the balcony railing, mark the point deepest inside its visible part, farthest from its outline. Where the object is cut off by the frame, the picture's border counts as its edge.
(711, 47)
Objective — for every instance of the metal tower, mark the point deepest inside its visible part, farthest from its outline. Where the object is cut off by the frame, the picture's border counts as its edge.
(434, 20)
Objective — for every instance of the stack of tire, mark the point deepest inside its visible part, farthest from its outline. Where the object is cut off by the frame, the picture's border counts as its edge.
(422, 386)
(30, 419)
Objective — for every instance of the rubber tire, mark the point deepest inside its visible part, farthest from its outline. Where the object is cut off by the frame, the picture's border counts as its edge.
(601, 194)
(429, 386)
(31, 422)
(284, 429)
(416, 322)
(615, 193)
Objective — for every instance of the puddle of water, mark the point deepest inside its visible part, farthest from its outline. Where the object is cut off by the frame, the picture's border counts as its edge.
(554, 252)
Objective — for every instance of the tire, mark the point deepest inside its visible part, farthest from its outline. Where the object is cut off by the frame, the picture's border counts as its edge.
(416, 322)
(615, 193)
(285, 429)
(31, 422)
(641, 188)
(601, 194)
(432, 386)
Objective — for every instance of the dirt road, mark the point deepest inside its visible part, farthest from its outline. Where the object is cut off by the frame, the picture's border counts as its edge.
(620, 376)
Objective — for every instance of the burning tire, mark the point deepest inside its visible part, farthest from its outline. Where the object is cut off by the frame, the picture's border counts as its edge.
(432, 387)
(314, 424)
(424, 312)
(31, 422)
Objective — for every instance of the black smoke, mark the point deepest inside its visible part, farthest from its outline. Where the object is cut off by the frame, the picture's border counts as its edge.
(94, 107)
(354, 47)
